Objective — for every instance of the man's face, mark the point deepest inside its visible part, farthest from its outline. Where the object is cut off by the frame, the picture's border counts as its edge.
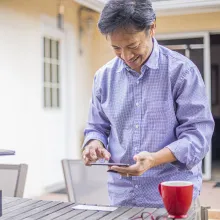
(132, 47)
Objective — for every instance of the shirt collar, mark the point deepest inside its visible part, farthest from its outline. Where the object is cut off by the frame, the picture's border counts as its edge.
(151, 63)
(153, 60)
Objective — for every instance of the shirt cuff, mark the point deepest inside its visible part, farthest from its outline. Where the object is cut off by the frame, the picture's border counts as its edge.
(95, 136)
(179, 150)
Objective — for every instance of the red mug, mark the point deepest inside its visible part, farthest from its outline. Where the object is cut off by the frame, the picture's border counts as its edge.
(177, 197)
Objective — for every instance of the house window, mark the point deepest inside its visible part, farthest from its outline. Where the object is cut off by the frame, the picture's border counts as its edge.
(51, 73)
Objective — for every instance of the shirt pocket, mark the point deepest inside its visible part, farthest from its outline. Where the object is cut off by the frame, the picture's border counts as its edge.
(157, 116)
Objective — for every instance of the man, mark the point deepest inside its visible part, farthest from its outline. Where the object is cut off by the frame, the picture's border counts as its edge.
(149, 109)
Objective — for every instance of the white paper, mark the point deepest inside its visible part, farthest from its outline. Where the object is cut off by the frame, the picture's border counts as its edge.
(95, 208)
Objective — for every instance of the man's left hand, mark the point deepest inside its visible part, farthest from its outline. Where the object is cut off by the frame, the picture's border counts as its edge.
(144, 161)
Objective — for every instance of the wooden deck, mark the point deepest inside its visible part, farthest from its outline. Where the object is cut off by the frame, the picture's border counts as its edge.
(28, 209)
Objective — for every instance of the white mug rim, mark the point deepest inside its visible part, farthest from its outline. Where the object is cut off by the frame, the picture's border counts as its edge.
(176, 183)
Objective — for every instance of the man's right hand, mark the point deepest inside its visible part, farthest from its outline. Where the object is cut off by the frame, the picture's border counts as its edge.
(95, 151)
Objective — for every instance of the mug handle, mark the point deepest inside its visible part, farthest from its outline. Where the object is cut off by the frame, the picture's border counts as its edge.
(159, 188)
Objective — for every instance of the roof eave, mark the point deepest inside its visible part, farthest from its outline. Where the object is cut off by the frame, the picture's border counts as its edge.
(165, 7)
(96, 5)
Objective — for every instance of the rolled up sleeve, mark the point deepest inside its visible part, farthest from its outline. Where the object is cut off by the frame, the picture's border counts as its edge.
(196, 124)
(98, 125)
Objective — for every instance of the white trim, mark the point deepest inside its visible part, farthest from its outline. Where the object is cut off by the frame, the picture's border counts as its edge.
(207, 79)
(173, 4)
(180, 35)
(185, 11)
(176, 183)
(166, 8)
(214, 32)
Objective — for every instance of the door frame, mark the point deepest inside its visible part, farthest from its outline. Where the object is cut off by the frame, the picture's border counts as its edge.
(207, 79)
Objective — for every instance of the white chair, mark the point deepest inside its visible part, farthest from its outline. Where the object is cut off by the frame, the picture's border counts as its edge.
(12, 179)
(85, 184)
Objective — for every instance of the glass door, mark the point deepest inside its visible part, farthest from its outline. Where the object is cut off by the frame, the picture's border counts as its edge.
(197, 48)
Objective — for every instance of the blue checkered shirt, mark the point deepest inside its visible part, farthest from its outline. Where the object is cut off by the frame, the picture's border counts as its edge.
(164, 106)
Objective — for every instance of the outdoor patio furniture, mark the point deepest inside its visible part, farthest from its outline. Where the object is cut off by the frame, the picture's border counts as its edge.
(85, 184)
(20, 209)
(13, 178)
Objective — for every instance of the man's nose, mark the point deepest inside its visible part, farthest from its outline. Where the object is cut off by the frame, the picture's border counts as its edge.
(127, 55)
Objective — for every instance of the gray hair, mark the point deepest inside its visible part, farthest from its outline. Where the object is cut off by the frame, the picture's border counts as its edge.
(117, 14)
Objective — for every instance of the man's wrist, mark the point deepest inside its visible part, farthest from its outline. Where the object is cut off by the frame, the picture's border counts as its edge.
(162, 157)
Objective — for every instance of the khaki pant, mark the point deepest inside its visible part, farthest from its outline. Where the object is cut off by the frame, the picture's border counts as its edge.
(196, 206)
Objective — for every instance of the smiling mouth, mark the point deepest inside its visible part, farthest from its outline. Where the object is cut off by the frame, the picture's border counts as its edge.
(133, 60)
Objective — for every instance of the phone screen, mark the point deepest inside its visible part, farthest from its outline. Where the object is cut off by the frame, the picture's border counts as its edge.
(111, 164)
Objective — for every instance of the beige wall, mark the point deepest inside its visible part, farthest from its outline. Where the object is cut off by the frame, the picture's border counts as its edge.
(189, 23)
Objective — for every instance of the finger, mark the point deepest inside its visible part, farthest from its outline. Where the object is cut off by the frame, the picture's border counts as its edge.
(92, 154)
(103, 153)
(99, 152)
(133, 170)
(87, 161)
(86, 153)
(120, 169)
(89, 156)
(84, 157)
(138, 158)
(141, 156)
(125, 174)
(106, 154)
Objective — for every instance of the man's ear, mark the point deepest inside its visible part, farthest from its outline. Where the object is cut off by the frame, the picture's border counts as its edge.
(153, 29)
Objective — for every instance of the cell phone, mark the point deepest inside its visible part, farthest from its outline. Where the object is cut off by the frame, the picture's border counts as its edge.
(111, 164)
(4, 152)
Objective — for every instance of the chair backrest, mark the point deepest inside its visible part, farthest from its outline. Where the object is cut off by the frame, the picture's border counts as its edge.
(85, 184)
(12, 179)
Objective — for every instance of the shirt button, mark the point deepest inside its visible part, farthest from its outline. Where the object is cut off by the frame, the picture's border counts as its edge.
(136, 186)
(136, 126)
(137, 104)
(136, 148)
(138, 82)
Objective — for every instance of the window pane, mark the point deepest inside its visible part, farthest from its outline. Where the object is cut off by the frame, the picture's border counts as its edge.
(45, 102)
(181, 52)
(58, 74)
(54, 49)
(58, 49)
(46, 47)
(215, 84)
(47, 97)
(46, 72)
(196, 56)
(50, 48)
(54, 97)
(51, 72)
(54, 73)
